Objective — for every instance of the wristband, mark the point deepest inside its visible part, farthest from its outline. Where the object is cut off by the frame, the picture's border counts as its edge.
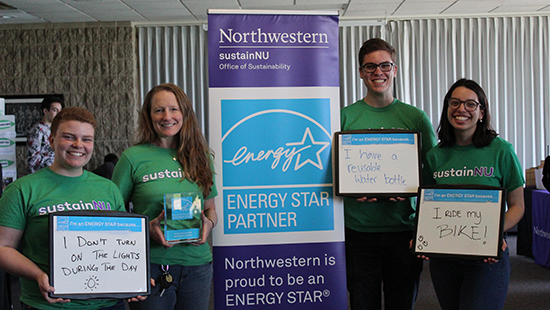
(213, 225)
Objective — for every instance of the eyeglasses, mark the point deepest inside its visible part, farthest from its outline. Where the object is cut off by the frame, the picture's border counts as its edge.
(469, 105)
(384, 67)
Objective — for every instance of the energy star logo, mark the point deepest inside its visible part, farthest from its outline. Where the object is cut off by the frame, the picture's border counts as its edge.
(276, 142)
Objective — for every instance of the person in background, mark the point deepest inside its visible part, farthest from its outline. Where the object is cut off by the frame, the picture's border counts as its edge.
(108, 166)
(40, 153)
(172, 156)
(467, 140)
(29, 200)
(378, 232)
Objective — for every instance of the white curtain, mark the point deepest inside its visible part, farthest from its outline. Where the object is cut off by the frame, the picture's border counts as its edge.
(508, 56)
(179, 55)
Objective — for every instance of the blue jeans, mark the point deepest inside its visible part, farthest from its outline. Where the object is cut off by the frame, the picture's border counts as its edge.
(470, 285)
(118, 306)
(190, 289)
(376, 260)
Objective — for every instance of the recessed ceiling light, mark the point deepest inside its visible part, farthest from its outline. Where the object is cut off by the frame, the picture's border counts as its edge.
(7, 16)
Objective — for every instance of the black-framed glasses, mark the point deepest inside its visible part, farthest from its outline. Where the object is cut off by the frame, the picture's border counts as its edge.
(384, 67)
(470, 105)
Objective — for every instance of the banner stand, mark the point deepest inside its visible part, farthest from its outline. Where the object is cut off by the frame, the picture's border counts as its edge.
(274, 106)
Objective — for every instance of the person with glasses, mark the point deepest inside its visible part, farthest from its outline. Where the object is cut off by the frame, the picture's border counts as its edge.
(467, 141)
(378, 232)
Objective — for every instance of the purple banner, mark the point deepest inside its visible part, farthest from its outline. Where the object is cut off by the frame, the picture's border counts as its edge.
(274, 106)
(290, 47)
(541, 227)
(296, 276)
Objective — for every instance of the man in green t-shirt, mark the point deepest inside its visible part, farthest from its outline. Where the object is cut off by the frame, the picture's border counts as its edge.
(378, 232)
(63, 186)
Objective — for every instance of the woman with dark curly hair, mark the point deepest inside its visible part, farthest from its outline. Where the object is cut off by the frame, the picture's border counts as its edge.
(467, 141)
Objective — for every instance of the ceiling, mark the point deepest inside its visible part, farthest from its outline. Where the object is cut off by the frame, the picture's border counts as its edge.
(194, 11)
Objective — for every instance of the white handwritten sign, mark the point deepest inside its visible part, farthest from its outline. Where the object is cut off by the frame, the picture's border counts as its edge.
(370, 163)
(99, 254)
(460, 221)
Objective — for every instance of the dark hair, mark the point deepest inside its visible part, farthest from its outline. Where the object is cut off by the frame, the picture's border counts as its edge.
(483, 134)
(48, 100)
(192, 149)
(373, 45)
(110, 158)
(73, 114)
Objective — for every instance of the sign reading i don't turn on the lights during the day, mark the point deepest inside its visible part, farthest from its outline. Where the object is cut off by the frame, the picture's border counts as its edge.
(99, 254)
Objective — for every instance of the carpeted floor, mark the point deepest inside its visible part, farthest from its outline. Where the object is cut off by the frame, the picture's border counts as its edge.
(529, 285)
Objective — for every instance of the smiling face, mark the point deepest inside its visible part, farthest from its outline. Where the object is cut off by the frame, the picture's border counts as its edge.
(73, 145)
(464, 122)
(166, 117)
(378, 81)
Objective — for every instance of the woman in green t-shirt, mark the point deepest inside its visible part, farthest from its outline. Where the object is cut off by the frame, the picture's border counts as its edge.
(171, 157)
(467, 141)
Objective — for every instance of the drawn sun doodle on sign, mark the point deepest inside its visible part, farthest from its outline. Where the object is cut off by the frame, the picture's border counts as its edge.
(277, 144)
(91, 283)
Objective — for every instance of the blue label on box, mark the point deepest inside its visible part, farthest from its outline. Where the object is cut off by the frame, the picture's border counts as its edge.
(183, 234)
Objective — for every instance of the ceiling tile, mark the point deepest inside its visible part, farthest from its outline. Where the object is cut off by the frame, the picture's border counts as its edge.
(422, 8)
(99, 7)
(246, 4)
(195, 10)
(371, 9)
(66, 18)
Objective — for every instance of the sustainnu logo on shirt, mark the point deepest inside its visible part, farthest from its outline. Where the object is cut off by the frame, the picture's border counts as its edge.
(79, 206)
(464, 172)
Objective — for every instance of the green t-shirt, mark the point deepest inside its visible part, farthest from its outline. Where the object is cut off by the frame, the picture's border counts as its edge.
(144, 173)
(26, 204)
(495, 165)
(384, 215)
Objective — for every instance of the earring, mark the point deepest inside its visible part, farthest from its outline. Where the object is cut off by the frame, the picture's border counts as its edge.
(481, 120)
